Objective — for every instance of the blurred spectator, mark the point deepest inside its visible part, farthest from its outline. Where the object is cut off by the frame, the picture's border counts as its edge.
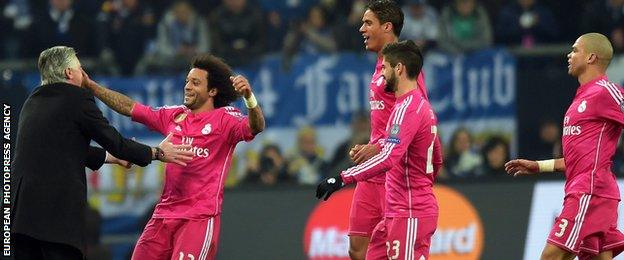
(607, 17)
(125, 26)
(182, 34)
(464, 27)
(271, 167)
(347, 33)
(276, 28)
(15, 20)
(526, 22)
(420, 23)
(311, 37)
(495, 153)
(239, 33)
(61, 24)
(360, 134)
(603, 16)
(306, 163)
(335, 10)
(549, 145)
(233, 177)
(461, 160)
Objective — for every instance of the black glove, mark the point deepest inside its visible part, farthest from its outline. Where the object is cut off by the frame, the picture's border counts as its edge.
(329, 186)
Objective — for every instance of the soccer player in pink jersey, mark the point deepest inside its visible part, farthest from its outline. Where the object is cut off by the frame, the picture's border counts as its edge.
(587, 225)
(185, 223)
(411, 158)
(381, 24)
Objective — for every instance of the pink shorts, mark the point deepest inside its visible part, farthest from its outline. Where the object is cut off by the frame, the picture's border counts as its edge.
(404, 238)
(587, 226)
(165, 239)
(367, 208)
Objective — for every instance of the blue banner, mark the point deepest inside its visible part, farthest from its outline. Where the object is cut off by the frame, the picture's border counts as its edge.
(476, 90)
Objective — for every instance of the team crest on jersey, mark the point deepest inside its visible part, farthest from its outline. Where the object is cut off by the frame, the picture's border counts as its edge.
(179, 118)
(207, 129)
(581, 108)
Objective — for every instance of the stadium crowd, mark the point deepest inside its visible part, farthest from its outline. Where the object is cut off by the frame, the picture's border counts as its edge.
(138, 37)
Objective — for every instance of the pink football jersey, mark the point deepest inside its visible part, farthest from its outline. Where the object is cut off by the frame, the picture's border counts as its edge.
(411, 156)
(591, 128)
(195, 191)
(381, 104)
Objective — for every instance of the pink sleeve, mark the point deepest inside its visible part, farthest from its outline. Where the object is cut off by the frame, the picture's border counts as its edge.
(237, 125)
(437, 156)
(421, 84)
(609, 103)
(156, 119)
(395, 145)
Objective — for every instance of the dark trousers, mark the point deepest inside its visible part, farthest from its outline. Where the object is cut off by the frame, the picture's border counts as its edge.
(28, 248)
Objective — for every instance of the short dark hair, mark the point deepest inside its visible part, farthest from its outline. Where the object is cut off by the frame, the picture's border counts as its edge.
(406, 53)
(218, 77)
(388, 11)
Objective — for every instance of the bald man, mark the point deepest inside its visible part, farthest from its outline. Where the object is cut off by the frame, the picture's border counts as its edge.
(587, 225)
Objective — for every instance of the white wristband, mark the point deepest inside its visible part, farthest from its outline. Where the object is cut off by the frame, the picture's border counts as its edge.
(251, 102)
(546, 165)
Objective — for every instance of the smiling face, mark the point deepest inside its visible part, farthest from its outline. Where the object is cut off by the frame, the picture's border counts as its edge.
(196, 89)
(372, 31)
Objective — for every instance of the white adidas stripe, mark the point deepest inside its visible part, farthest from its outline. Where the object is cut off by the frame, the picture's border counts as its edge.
(569, 242)
(591, 189)
(578, 221)
(399, 115)
(379, 157)
(616, 89)
(207, 240)
(613, 90)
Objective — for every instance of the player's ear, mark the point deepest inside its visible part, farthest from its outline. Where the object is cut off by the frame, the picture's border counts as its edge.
(213, 92)
(387, 27)
(68, 73)
(592, 58)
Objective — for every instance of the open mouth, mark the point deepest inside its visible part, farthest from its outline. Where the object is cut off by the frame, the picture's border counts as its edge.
(188, 96)
(365, 38)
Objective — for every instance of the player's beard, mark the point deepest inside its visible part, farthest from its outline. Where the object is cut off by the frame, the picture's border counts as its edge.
(194, 101)
(391, 83)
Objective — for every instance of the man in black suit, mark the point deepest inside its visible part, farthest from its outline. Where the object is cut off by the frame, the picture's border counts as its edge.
(49, 190)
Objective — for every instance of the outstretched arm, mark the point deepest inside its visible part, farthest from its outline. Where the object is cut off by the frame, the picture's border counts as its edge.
(527, 167)
(119, 102)
(256, 118)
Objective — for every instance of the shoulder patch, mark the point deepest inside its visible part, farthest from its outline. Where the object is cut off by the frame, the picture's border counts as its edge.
(179, 118)
(394, 131)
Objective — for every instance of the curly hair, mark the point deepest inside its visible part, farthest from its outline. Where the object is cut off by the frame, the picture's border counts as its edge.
(218, 77)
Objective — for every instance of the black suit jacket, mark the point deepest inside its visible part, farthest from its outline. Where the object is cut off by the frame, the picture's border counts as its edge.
(49, 190)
